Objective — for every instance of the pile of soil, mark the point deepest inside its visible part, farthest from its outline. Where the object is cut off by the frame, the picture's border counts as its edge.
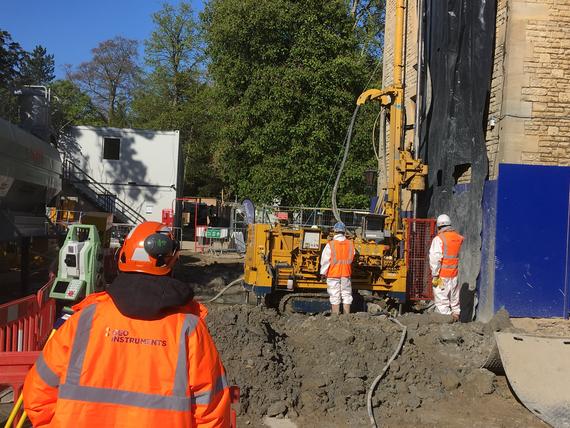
(317, 369)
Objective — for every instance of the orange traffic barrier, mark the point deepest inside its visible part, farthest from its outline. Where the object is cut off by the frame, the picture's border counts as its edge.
(14, 368)
(26, 323)
(18, 324)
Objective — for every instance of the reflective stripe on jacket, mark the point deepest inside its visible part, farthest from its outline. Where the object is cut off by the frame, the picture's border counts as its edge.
(342, 254)
(104, 369)
(452, 242)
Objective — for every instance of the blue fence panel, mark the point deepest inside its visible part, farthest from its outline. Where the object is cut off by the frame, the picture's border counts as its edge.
(531, 254)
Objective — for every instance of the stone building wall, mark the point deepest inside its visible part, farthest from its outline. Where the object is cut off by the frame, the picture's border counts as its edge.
(529, 101)
(535, 115)
(411, 57)
(496, 93)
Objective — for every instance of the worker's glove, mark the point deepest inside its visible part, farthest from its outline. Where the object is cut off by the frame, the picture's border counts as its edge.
(437, 282)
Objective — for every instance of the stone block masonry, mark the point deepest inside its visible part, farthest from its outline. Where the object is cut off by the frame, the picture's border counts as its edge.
(535, 113)
(528, 119)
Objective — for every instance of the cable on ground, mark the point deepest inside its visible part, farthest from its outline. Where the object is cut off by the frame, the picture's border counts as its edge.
(381, 375)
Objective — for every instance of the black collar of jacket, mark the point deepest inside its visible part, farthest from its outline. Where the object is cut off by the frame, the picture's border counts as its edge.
(148, 297)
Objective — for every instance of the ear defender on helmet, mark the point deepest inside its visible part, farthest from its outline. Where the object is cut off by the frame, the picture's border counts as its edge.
(158, 244)
(150, 248)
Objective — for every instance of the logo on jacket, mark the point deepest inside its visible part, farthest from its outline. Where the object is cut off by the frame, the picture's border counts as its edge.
(118, 335)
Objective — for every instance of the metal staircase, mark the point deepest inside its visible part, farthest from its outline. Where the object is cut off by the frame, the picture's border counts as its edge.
(99, 195)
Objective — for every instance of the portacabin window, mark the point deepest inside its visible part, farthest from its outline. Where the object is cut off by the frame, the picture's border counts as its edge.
(111, 148)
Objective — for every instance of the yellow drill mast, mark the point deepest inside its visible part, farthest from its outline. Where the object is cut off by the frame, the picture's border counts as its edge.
(404, 172)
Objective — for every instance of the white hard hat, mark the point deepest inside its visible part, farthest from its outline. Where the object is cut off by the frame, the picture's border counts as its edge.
(443, 220)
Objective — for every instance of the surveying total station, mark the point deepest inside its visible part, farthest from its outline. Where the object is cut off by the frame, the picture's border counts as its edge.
(80, 265)
(82, 257)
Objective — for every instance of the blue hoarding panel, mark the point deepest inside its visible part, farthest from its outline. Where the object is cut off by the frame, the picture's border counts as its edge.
(531, 251)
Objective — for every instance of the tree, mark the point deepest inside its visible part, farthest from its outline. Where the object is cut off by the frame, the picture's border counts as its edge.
(173, 47)
(70, 106)
(369, 18)
(288, 74)
(110, 77)
(12, 58)
(38, 67)
(173, 96)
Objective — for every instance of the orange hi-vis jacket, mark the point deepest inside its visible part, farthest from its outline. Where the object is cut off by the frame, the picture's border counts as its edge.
(342, 254)
(452, 242)
(103, 369)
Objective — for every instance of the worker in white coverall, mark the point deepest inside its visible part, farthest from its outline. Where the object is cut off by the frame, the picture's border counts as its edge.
(336, 267)
(444, 264)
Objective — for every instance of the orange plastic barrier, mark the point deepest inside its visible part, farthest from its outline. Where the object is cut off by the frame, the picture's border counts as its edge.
(14, 367)
(25, 324)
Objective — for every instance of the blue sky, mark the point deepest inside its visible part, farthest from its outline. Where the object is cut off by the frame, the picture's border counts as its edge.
(69, 29)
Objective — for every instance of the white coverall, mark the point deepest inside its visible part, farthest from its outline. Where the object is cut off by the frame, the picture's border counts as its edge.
(339, 289)
(446, 299)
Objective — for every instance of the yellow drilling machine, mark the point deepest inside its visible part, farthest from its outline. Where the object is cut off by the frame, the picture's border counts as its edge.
(282, 261)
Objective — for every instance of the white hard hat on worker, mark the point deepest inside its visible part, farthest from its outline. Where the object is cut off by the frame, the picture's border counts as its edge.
(443, 220)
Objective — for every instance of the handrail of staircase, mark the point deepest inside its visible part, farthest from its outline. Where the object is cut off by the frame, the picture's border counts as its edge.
(132, 214)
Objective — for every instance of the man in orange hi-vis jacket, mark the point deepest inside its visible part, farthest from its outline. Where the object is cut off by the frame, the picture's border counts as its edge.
(336, 267)
(444, 264)
(138, 355)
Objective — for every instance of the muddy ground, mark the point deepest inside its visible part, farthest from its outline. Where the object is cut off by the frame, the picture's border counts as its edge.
(316, 370)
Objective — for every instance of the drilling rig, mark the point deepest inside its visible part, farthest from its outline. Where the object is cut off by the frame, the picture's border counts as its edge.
(282, 261)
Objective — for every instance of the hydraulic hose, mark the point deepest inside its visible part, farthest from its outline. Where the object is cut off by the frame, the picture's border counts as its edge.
(383, 372)
(227, 287)
(341, 167)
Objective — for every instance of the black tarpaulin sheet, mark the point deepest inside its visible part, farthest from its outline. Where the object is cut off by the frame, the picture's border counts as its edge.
(458, 48)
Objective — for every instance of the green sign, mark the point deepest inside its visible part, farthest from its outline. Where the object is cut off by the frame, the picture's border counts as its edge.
(213, 233)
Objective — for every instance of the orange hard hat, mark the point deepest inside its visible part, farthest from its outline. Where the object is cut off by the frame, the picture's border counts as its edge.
(149, 248)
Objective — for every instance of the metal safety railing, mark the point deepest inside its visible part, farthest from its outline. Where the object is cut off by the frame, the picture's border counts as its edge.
(61, 219)
(419, 234)
(309, 216)
(219, 240)
(99, 194)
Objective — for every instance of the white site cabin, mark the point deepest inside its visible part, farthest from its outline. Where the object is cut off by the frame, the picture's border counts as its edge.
(139, 166)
